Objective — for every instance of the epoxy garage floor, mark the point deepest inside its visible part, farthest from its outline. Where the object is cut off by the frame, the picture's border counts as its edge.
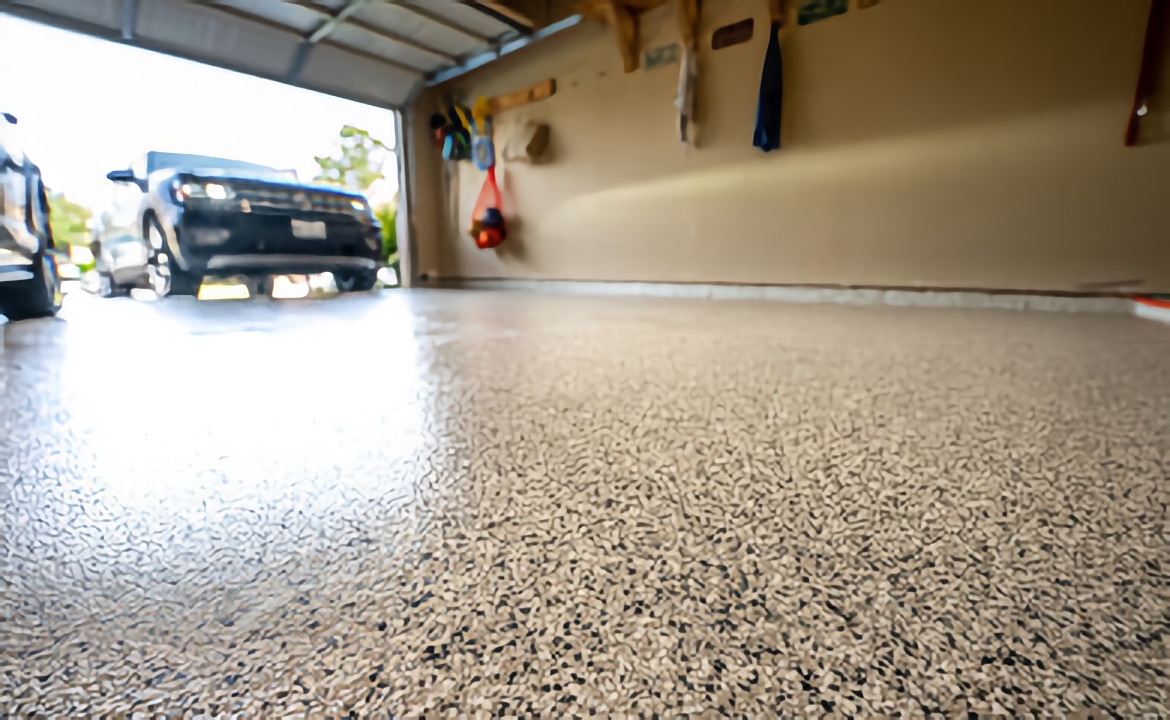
(467, 505)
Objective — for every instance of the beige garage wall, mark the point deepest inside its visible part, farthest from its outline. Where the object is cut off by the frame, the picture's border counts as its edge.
(945, 143)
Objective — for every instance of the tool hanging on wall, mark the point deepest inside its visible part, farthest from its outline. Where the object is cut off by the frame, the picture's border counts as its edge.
(452, 136)
(487, 218)
(622, 18)
(688, 73)
(452, 131)
(488, 228)
(528, 144)
(469, 134)
(483, 150)
(771, 99)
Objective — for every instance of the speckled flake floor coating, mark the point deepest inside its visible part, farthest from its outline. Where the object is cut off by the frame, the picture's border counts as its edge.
(470, 505)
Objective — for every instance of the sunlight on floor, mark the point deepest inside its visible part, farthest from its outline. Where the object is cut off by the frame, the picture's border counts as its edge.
(224, 291)
(285, 287)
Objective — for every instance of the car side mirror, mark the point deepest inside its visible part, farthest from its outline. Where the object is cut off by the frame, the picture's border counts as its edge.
(122, 176)
(126, 176)
(10, 118)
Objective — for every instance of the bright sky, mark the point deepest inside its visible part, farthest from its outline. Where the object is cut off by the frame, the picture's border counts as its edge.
(88, 106)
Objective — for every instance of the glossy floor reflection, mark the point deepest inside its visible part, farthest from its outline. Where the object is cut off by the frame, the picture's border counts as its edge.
(476, 504)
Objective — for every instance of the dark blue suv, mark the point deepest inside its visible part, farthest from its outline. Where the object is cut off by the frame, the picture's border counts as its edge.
(205, 217)
(30, 285)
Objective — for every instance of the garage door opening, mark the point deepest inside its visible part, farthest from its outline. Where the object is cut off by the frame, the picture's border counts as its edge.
(374, 53)
(103, 131)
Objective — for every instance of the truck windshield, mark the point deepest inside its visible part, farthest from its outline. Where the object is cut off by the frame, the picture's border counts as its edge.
(183, 161)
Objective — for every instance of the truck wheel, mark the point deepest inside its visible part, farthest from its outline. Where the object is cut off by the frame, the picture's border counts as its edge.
(39, 296)
(355, 280)
(260, 285)
(107, 288)
(166, 277)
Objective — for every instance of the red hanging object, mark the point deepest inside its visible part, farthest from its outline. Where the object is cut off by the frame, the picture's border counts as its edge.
(487, 225)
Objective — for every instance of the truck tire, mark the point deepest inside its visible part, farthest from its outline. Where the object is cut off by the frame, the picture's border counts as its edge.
(177, 281)
(353, 281)
(107, 288)
(38, 297)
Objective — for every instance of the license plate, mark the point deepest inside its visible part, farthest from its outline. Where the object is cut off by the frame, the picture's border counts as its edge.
(309, 229)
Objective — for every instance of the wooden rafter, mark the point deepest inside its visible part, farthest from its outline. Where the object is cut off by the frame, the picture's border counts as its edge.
(622, 18)
(504, 12)
(624, 24)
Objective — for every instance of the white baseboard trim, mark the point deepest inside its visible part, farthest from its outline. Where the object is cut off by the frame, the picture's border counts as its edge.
(833, 296)
(1152, 312)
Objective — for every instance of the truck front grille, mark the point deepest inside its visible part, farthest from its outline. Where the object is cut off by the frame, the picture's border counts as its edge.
(297, 200)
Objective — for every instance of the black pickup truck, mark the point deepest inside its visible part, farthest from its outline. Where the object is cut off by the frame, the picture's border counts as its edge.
(204, 216)
(30, 285)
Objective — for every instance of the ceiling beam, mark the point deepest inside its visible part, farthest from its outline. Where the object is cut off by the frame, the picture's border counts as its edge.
(129, 18)
(441, 21)
(380, 32)
(501, 13)
(336, 20)
(97, 30)
(235, 12)
(324, 30)
(506, 48)
(300, 57)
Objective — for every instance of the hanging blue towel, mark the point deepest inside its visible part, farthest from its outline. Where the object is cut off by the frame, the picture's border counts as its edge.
(767, 137)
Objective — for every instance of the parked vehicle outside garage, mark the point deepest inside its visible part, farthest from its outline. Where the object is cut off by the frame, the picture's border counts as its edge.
(30, 286)
(121, 256)
(122, 263)
(200, 216)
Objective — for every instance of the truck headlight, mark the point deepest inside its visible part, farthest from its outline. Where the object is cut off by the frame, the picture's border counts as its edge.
(203, 190)
(215, 191)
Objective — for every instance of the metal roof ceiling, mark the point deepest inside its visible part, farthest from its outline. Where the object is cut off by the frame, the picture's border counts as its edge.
(372, 51)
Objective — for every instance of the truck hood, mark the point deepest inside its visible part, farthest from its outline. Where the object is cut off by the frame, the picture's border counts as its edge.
(270, 178)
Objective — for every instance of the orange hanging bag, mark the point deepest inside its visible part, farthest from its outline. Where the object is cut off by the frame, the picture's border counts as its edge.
(487, 219)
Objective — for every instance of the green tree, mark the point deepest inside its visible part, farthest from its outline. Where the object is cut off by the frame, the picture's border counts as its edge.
(387, 214)
(358, 162)
(356, 165)
(68, 220)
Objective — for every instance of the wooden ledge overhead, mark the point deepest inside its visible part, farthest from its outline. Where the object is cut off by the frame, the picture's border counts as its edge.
(527, 16)
(622, 18)
(519, 18)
